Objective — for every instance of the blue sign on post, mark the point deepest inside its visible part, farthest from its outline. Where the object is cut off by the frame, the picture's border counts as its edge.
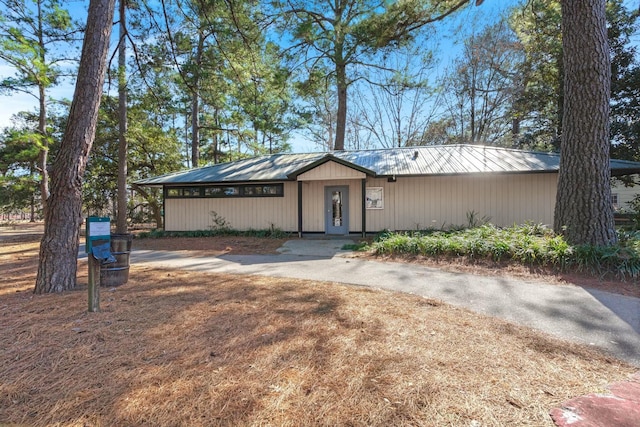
(98, 242)
(98, 231)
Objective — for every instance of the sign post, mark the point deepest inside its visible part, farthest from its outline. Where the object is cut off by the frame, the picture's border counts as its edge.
(98, 242)
(94, 284)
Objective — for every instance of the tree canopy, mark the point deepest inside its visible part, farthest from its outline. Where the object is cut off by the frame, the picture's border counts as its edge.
(213, 81)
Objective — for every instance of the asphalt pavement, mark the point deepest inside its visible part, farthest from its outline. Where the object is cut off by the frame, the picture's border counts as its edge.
(589, 316)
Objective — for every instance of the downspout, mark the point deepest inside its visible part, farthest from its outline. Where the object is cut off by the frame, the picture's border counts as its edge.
(300, 209)
(164, 208)
(364, 207)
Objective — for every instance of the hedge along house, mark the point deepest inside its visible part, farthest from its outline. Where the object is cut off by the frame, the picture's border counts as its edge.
(368, 191)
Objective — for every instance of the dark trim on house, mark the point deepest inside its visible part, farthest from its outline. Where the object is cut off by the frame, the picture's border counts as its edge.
(164, 207)
(225, 190)
(300, 209)
(364, 207)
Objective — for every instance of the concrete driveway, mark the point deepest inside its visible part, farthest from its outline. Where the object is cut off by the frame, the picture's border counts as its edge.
(593, 317)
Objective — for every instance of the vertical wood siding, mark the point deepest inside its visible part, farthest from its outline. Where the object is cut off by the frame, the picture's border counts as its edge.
(421, 202)
(625, 194)
(240, 213)
(409, 204)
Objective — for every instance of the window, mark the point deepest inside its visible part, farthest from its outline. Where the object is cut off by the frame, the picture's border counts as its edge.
(191, 192)
(245, 190)
(614, 199)
(263, 190)
(183, 192)
(213, 192)
(230, 191)
(174, 192)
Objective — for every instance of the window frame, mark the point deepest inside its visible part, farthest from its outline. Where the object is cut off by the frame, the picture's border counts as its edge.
(226, 192)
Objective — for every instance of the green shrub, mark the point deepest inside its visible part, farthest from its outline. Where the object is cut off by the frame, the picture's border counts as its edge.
(358, 247)
(272, 233)
(530, 244)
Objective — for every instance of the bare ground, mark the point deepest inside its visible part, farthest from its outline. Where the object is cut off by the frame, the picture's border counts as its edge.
(184, 348)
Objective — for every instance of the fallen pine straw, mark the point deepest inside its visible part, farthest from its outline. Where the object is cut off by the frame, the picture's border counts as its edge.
(185, 348)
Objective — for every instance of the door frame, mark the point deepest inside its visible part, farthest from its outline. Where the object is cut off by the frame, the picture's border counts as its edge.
(329, 228)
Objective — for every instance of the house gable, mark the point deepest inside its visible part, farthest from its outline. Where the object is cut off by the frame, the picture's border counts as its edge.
(330, 171)
(338, 169)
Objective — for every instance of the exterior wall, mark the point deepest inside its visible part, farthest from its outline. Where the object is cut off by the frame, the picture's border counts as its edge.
(624, 194)
(422, 202)
(241, 213)
(330, 170)
(409, 203)
(313, 209)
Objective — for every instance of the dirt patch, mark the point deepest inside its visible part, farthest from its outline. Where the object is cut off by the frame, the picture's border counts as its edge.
(185, 348)
(21, 232)
(212, 245)
(18, 264)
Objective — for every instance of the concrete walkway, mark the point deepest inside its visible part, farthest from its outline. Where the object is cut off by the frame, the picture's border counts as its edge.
(602, 319)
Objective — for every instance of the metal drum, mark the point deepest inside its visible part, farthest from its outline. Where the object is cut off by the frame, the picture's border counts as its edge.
(117, 273)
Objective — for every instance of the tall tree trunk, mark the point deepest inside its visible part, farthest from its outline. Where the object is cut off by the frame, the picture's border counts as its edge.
(472, 115)
(560, 103)
(195, 129)
(43, 155)
(584, 212)
(59, 246)
(121, 221)
(32, 213)
(195, 106)
(515, 131)
(341, 119)
(216, 137)
(187, 148)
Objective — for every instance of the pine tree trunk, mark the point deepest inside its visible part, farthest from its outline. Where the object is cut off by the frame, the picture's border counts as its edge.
(43, 155)
(341, 119)
(584, 213)
(59, 246)
(121, 221)
(195, 130)
(195, 106)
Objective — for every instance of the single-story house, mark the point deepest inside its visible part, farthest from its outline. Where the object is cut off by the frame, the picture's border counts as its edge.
(622, 195)
(368, 191)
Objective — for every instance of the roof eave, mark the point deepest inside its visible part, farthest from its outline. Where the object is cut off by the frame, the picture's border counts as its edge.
(625, 171)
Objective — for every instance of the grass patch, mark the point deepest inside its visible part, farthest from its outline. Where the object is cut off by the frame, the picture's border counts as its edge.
(358, 247)
(529, 244)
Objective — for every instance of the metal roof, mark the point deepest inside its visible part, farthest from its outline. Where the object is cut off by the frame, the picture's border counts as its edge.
(408, 161)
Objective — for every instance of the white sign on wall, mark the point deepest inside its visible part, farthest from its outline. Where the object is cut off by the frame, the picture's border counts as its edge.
(375, 198)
